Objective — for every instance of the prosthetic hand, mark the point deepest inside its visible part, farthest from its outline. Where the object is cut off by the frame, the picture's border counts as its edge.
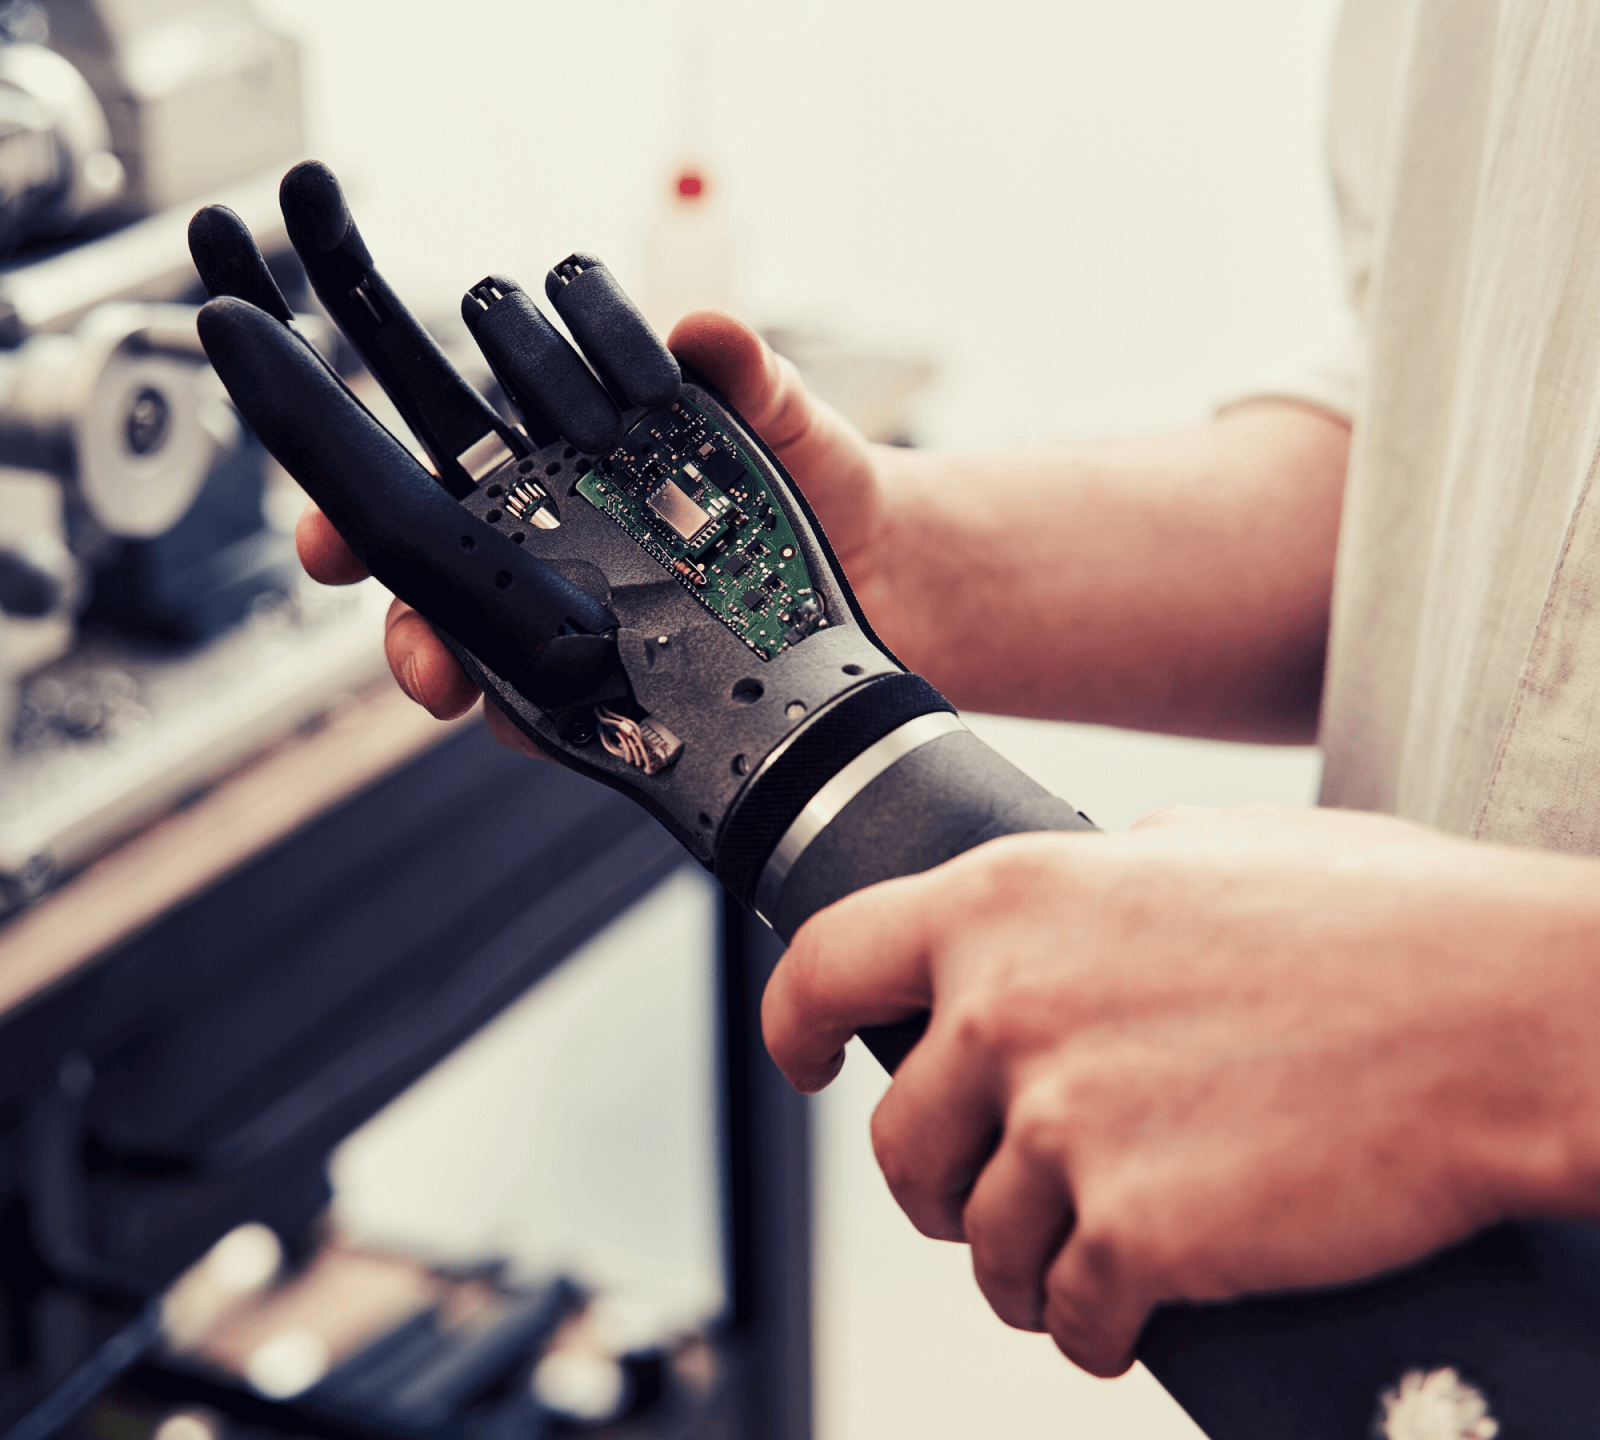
(635, 582)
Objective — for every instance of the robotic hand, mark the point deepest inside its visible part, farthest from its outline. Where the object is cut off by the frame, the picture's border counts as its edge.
(636, 583)
(630, 575)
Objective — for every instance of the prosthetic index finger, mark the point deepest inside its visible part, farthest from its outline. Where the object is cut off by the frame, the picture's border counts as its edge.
(230, 262)
(465, 577)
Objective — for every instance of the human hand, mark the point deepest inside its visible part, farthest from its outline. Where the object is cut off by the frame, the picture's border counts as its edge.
(1226, 1053)
(827, 457)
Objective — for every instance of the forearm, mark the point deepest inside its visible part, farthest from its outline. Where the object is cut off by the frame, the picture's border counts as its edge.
(1179, 583)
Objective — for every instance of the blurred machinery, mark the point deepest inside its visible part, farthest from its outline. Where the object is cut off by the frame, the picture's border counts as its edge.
(152, 628)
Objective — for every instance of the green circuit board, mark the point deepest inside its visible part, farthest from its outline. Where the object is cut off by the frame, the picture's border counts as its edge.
(687, 492)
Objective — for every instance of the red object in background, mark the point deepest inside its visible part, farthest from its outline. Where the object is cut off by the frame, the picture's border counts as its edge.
(690, 185)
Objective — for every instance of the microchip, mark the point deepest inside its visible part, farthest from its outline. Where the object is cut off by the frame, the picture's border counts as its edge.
(737, 563)
(658, 422)
(725, 470)
(712, 542)
(754, 599)
(631, 452)
(774, 581)
(679, 511)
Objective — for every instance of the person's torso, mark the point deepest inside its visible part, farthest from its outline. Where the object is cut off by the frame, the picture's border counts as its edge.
(1464, 668)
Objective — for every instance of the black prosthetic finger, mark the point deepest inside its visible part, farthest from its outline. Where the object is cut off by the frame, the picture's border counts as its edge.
(615, 337)
(230, 263)
(465, 577)
(544, 376)
(466, 440)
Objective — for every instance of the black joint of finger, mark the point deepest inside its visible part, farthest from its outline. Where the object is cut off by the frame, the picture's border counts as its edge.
(484, 296)
(566, 272)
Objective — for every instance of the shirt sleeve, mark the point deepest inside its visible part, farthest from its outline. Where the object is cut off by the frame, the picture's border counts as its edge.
(1326, 377)
(1365, 74)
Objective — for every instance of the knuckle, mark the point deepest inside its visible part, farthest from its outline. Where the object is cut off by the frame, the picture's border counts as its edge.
(1002, 1271)
(976, 1025)
(1114, 1253)
(991, 1009)
(1008, 1297)
(898, 1166)
(1037, 1125)
(1100, 1258)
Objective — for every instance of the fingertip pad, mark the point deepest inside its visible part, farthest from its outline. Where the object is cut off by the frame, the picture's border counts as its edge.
(230, 263)
(316, 212)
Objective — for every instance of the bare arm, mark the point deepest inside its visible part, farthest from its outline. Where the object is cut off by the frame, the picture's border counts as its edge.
(1178, 583)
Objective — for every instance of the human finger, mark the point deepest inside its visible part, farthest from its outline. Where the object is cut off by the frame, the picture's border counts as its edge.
(938, 1124)
(1019, 1214)
(501, 727)
(862, 961)
(1097, 1298)
(764, 388)
(323, 553)
(932, 1132)
(827, 455)
(423, 667)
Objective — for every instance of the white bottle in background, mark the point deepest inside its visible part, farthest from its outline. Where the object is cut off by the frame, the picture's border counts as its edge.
(688, 258)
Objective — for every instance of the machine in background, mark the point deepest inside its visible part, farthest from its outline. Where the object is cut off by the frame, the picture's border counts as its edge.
(153, 624)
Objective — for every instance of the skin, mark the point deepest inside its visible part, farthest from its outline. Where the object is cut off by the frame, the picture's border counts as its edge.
(1227, 1052)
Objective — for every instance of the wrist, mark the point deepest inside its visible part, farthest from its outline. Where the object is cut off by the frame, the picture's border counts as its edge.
(889, 564)
(1535, 1135)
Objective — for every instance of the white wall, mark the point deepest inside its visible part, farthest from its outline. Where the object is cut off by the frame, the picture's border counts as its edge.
(1095, 216)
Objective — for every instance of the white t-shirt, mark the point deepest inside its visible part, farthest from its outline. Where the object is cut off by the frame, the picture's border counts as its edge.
(1463, 684)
